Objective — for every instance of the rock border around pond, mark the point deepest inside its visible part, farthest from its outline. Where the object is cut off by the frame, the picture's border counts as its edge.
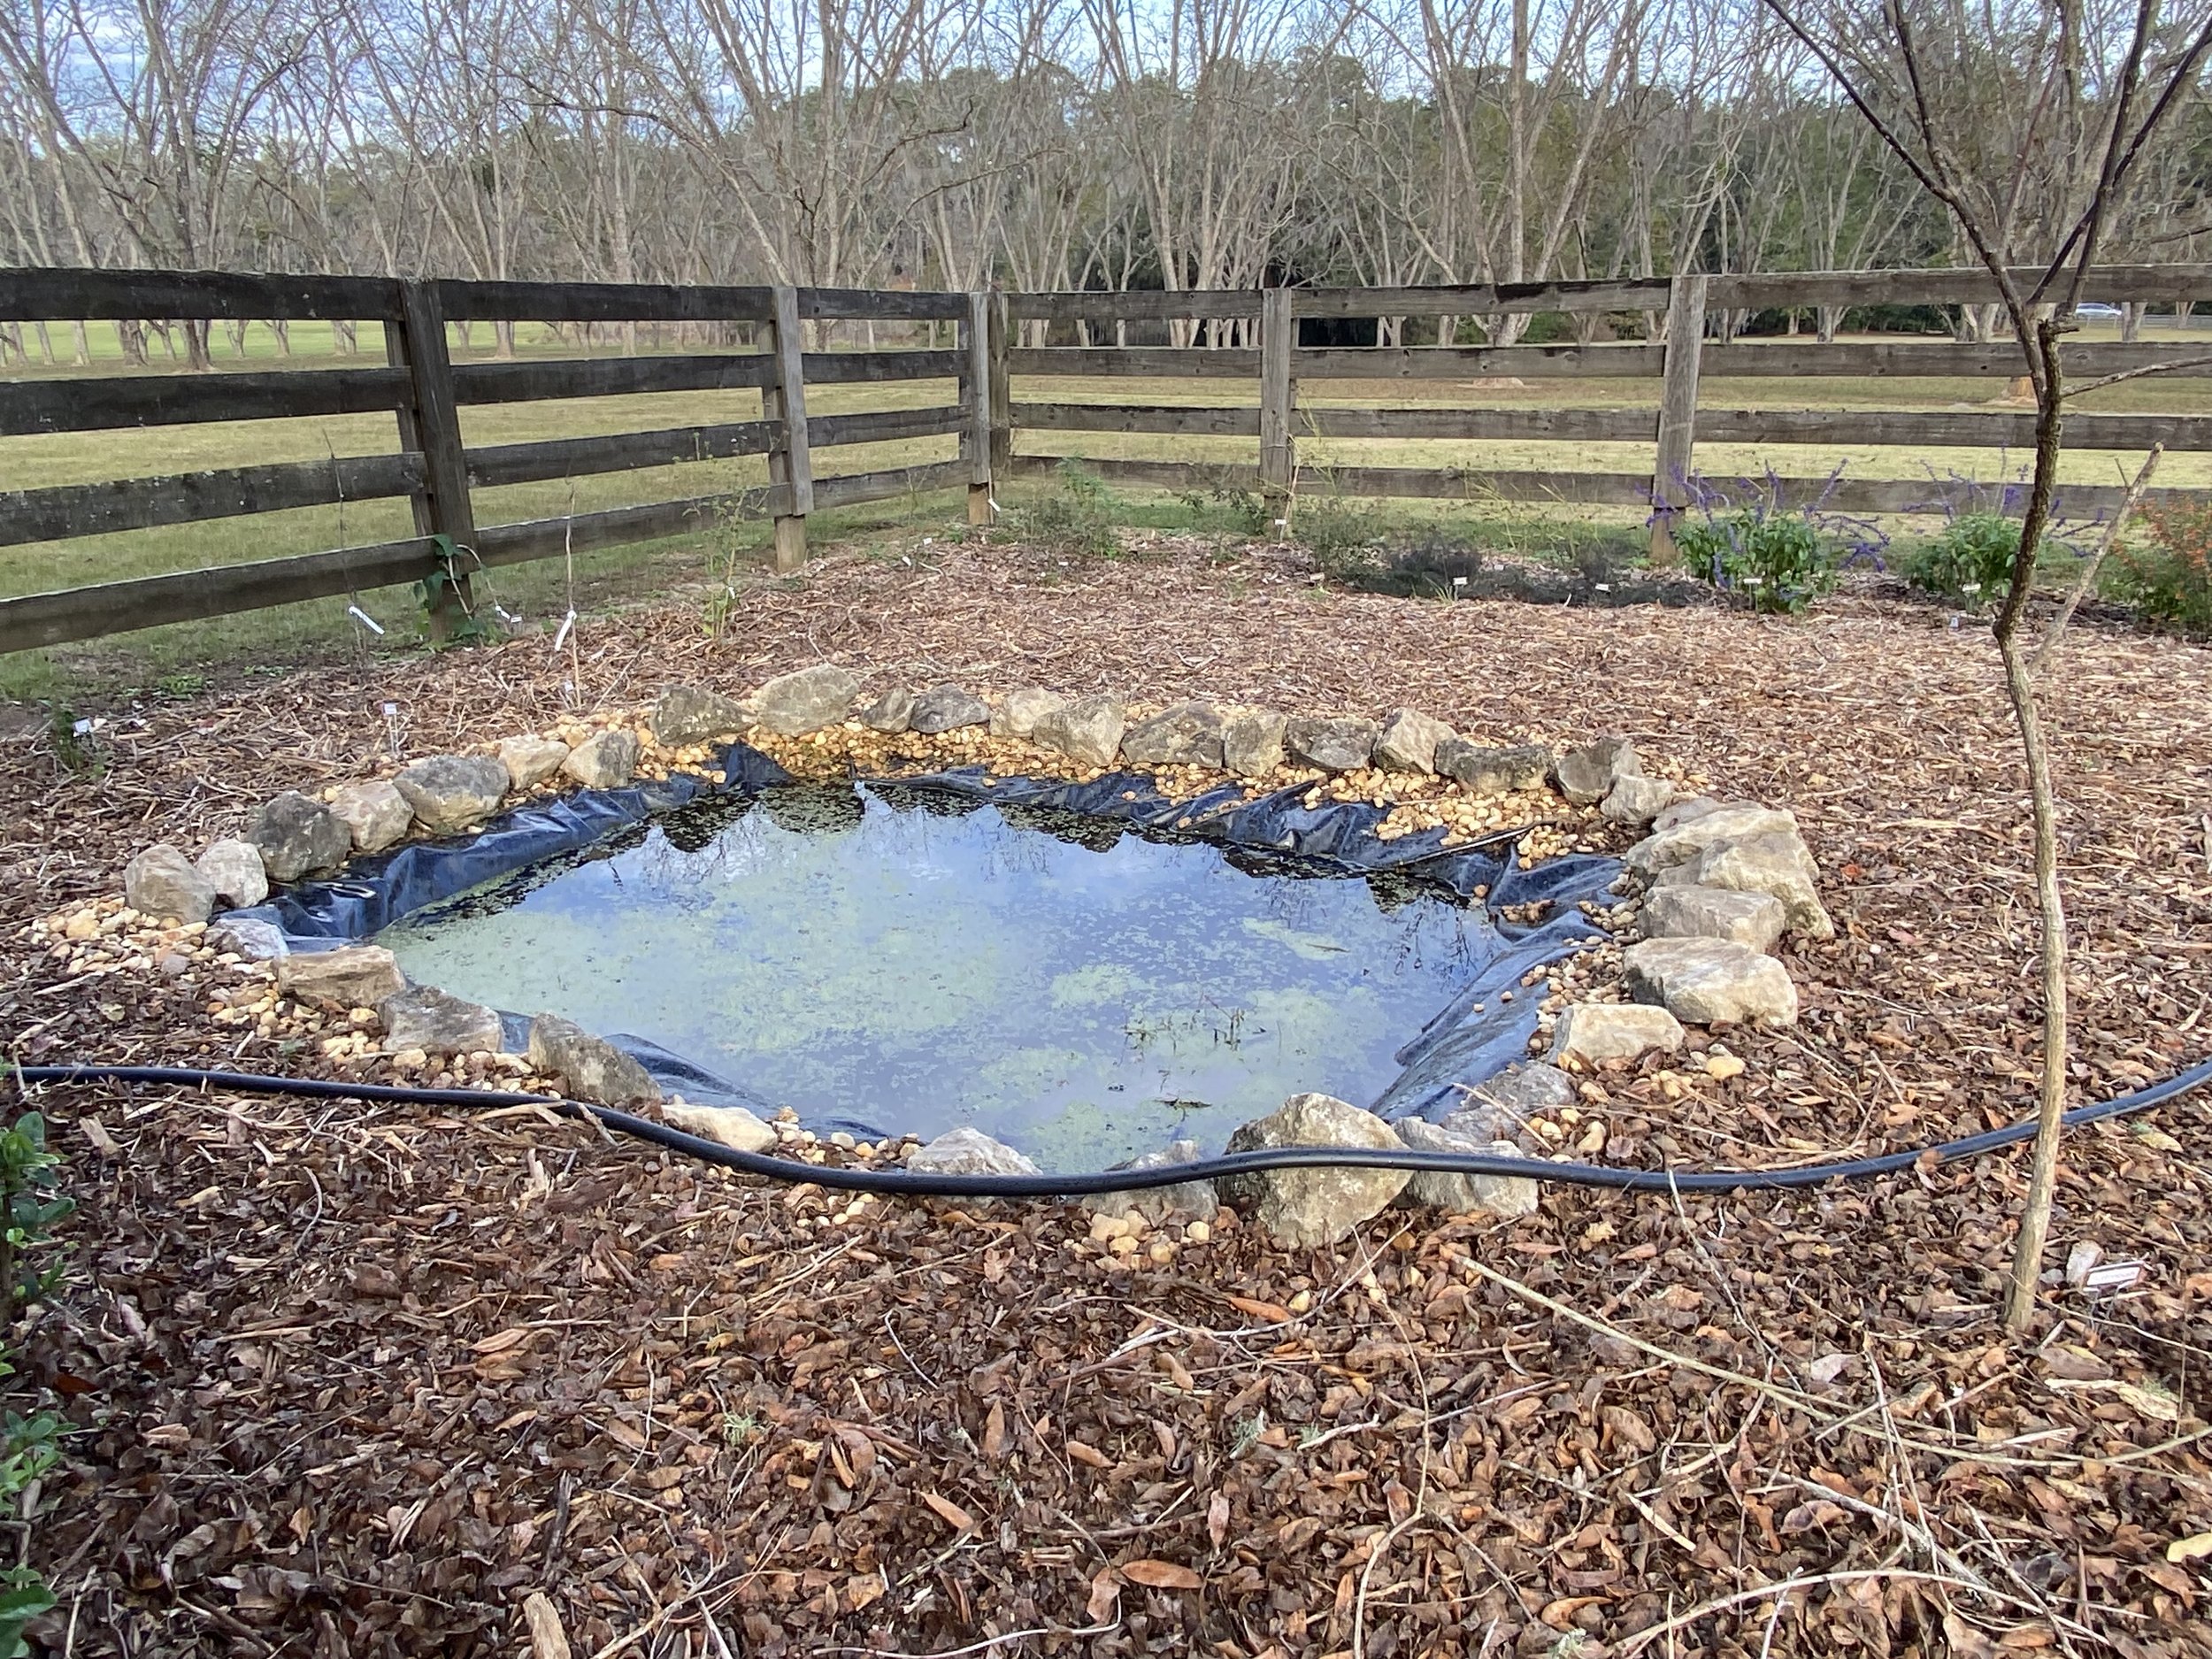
(1710, 888)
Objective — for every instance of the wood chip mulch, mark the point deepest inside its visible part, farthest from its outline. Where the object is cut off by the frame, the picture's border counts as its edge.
(362, 1381)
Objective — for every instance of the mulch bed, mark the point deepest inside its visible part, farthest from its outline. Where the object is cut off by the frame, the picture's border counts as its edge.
(351, 1381)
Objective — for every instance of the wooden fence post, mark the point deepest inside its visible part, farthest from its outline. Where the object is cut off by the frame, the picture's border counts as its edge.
(999, 389)
(790, 464)
(430, 423)
(1278, 459)
(977, 439)
(1678, 414)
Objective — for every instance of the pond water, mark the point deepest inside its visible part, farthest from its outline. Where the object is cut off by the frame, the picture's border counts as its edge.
(908, 960)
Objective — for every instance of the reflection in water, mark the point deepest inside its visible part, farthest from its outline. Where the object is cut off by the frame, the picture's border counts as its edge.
(1082, 991)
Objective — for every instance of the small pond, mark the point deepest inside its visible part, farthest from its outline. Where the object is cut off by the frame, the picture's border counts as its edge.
(905, 959)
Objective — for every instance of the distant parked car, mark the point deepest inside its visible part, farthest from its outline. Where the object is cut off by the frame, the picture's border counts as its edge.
(2098, 312)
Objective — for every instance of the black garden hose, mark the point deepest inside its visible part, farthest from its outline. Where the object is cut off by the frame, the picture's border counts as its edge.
(927, 1184)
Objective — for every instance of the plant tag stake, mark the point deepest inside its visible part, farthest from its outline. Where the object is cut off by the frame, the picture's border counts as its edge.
(560, 639)
(391, 728)
(364, 619)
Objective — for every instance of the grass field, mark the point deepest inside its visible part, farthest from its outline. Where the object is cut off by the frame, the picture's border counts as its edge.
(548, 588)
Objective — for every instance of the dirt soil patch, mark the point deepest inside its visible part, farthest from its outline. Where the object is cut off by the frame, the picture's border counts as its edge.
(348, 1380)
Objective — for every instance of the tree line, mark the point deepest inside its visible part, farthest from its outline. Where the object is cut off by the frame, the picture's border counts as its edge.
(1033, 143)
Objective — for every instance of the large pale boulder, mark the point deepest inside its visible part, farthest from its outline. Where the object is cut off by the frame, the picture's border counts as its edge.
(1777, 863)
(684, 715)
(969, 1151)
(1587, 775)
(356, 976)
(1501, 1103)
(234, 869)
(436, 1022)
(1489, 771)
(1753, 919)
(607, 761)
(1252, 741)
(1705, 981)
(1506, 1195)
(1087, 731)
(161, 883)
(1408, 741)
(1018, 714)
(1194, 1201)
(298, 836)
(1635, 799)
(806, 700)
(892, 711)
(592, 1068)
(1316, 1206)
(248, 938)
(733, 1126)
(450, 792)
(376, 815)
(1334, 743)
(1189, 734)
(1591, 1033)
(948, 709)
(1685, 838)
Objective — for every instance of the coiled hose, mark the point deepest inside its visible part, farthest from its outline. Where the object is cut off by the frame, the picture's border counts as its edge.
(932, 1184)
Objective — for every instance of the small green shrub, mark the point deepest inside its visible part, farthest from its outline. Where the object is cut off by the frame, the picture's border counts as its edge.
(1343, 537)
(1970, 563)
(2170, 581)
(1243, 511)
(30, 1203)
(1076, 521)
(1777, 559)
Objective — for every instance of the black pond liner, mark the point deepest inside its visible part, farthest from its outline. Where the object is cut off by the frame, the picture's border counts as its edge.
(1458, 1048)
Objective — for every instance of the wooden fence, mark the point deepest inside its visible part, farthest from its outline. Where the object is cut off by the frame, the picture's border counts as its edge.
(424, 390)
(1679, 314)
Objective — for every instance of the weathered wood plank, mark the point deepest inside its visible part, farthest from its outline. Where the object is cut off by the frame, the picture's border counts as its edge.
(850, 488)
(1581, 426)
(65, 294)
(853, 368)
(790, 464)
(1995, 360)
(882, 426)
(1456, 363)
(1226, 422)
(1677, 413)
(163, 400)
(607, 377)
(1996, 429)
(1484, 299)
(1169, 362)
(495, 465)
(1135, 304)
(1161, 474)
(975, 388)
(600, 303)
(1279, 392)
(1970, 286)
(881, 304)
(142, 503)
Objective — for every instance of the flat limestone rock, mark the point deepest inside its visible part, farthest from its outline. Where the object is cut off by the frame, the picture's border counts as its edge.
(1509, 1099)
(354, 976)
(1586, 775)
(1189, 734)
(1087, 731)
(161, 883)
(592, 1068)
(437, 1022)
(1019, 714)
(1490, 770)
(684, 715)
(1505, 1195)
(449, 792)
(605, 762)
(234, 869)
(1635, 799)
(1334, 743)
(806, 700)
(1753, 919)
(1705, 981)
(1778, 863)
(1252, 741)
(969, 1151)
(376, 815)
(1408, 741)
(299, 836)
(1591, 1033)
(530, 760)
(1315, 1206)
(948, 709)
(892, 711)
(733, 1126)
(1687, 838)
(1194, 1201)
(248, 938)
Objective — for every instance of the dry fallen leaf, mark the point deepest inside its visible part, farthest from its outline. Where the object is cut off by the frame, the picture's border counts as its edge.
(547, 1640)
(1084, 1453)
(2191, 1548)
(1105, 1597)
(511, 1336)
(950, 1513)
(1218, 1517)
(1161, 1575)
(994, 1440)
(1273, 1312)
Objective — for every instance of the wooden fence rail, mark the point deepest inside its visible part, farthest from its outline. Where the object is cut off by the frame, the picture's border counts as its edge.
(1251, 337)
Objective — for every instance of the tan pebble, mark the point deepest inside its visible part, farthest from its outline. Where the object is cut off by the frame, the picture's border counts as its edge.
(1197, 1233)
(1721, 1067)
